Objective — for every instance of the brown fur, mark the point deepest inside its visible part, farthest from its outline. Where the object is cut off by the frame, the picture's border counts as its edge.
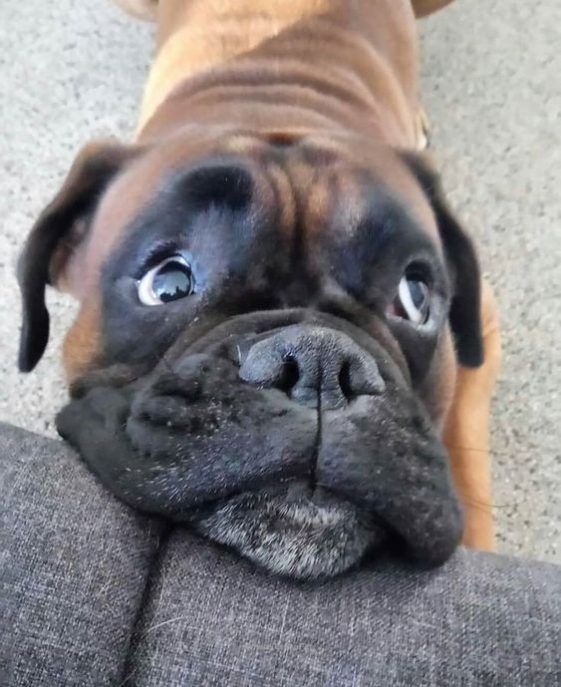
(344, 67)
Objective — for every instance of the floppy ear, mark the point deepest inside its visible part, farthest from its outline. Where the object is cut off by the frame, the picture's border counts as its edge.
(465, 309)
(60, 229)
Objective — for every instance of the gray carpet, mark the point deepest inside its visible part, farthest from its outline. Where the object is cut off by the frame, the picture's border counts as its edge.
(72, 70)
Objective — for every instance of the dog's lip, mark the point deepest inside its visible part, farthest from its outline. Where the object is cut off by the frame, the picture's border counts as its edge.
(297, 491)
(306, 532)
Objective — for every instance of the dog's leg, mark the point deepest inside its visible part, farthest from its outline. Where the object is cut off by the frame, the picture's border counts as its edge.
(467, 433)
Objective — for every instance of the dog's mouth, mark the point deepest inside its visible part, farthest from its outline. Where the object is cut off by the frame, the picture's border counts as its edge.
(293, 530)
(301, 446)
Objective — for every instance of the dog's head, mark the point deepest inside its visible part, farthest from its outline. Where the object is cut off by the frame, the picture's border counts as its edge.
(266, 342)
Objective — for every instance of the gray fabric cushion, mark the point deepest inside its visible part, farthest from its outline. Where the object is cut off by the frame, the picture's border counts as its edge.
(480, 620)
(73, 568)
(92, 594)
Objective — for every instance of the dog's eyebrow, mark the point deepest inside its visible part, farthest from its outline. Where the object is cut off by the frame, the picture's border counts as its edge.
(222, 184)
(376, 222)
(378, 237)
(217, 187)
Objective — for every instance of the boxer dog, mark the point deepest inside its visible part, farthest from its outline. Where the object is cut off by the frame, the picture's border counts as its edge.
(280, 339)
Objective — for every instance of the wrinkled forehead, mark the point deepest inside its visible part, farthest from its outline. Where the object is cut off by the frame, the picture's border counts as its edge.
(287, 177)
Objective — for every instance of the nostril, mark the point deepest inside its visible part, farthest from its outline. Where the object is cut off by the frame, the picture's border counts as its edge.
(267, 368)
(290, 374)
(307, 363)
(344, 381)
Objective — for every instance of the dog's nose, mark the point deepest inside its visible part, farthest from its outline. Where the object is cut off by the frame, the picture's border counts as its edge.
(314, 365)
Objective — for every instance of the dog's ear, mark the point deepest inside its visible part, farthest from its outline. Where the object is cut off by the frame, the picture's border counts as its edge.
(465, 309)
(58, 232)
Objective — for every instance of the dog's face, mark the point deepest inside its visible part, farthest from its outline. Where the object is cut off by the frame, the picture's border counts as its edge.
(265, 346)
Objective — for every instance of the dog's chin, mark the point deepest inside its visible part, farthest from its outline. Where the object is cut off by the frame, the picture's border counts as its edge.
(293, 531)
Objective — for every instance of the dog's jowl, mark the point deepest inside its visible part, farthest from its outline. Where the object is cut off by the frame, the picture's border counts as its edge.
(274, 296)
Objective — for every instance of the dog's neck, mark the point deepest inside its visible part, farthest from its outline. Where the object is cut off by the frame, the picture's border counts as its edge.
(229, 27)
(364, 51)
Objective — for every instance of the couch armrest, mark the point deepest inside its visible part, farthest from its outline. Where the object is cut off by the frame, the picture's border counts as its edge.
(481, 619)
(73, 568)
(93, 594)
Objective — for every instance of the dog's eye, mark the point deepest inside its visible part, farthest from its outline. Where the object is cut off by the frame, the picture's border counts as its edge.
(170, 280)
(413, 300)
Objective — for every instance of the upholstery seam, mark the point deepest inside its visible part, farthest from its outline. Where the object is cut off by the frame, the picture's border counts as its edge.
(128, 670)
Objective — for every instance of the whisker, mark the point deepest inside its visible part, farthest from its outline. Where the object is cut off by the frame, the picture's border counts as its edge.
(495, 451)
(479, 503)
(471, 449)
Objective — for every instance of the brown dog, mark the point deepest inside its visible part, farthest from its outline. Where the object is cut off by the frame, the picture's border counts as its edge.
(279, 316)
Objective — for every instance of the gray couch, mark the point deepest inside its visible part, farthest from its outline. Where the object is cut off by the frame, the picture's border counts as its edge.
(93, 594)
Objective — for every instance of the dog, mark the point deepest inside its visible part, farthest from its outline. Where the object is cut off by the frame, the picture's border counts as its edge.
(282, 340)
